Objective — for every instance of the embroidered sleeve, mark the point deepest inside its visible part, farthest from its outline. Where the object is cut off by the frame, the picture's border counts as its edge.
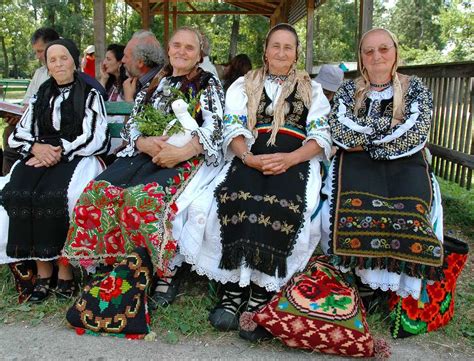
(95, 137)
(347, 130)
(235, 117)
(130, 132)
(411, 135)
(317, 126)
(23, 136)
(210, 133)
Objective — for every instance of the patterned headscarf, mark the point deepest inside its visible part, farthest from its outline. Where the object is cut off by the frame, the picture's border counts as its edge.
(400, 82)
(255, 82)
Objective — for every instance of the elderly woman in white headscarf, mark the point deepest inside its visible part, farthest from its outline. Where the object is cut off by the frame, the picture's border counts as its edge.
(253, 229)
(383, 215)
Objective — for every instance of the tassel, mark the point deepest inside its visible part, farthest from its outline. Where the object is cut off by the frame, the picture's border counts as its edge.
(424, 297)
(382, 349)
(246, 321)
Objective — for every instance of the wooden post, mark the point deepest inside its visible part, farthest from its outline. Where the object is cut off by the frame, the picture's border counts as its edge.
(99, 33)
(166, 21)
(175, 15)
(309, 35)
(365, 16)
(146, 14)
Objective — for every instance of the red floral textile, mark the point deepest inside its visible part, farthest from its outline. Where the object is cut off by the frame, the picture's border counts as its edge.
(319, 310)
(108, 222)
(413, 317)
(116, 303)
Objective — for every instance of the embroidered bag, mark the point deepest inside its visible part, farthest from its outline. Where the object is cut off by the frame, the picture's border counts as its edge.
(319, 310)
(413, 317)
(116, 304)
(24, 274)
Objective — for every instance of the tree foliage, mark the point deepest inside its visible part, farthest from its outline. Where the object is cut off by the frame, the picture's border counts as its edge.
(429, 30)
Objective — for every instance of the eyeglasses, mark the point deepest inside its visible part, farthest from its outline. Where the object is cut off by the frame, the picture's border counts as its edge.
(382, 49)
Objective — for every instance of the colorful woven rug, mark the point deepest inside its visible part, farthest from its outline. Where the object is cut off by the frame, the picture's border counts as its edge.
(319, 310)
(116, 303)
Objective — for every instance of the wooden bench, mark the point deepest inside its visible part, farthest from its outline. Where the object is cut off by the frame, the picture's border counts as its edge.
(12, 85)
(117, 108)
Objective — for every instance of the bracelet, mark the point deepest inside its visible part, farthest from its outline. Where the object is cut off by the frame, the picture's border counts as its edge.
(244, 155)
(195, 148)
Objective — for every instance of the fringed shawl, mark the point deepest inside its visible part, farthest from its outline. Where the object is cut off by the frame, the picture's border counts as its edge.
(254, 84)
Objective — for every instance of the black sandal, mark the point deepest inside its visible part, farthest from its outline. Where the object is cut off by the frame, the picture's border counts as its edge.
(166, 298)
(41, 290)
(65, 289)
(259, 297)
(225, 315)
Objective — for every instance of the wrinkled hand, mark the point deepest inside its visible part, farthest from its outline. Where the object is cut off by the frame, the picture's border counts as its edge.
(276, 163)
(34, 162)
(254, 161)
(151, 145)
(169, 156)
(11, 119)
(45, 154)
(129, 89)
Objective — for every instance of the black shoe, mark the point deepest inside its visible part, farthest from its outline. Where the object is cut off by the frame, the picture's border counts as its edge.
(257, 335)
(65, 289)
(41, 290)
(223, 320)
(163, 299)
(225, 316)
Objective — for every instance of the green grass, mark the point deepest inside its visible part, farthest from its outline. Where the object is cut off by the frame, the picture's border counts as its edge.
(187, 317)
(458, 205)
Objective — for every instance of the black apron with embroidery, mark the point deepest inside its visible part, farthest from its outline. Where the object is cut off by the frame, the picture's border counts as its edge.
(380, 215)
(35, 199)
(261, 216)
(37, 206)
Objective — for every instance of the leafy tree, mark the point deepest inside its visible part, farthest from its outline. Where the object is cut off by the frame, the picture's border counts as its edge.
(457, 30)
(15, 32)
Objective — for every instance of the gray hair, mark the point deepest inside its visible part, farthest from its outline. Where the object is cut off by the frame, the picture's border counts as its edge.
(148, 49)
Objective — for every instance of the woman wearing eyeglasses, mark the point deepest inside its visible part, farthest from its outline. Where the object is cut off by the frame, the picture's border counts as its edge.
(383, 215)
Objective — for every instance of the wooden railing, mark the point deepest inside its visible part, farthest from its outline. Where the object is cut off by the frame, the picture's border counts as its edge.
(451, 138)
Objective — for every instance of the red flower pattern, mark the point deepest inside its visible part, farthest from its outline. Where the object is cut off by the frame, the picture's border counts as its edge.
(87, 217)
(83, 240)
(130, 218)
(114, 242)
(110, 288)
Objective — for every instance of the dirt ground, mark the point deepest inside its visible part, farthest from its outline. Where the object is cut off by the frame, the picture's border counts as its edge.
(53, 342)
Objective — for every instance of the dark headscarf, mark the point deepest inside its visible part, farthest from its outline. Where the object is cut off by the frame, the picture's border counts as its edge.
(69, 45)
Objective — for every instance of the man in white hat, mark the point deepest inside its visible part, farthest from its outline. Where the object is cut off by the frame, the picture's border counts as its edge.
(330, 77)
(88, 61)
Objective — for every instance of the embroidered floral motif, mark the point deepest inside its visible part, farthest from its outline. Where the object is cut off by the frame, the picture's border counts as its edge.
(271, 199)
(111, 289)
(230, 119)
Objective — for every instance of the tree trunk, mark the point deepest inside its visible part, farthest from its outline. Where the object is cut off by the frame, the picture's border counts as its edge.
(234, 36)
(15, 62)
(50, 15)
(5, 57)
(76, 5)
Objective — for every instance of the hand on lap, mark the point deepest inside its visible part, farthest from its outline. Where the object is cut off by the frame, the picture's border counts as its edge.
(45, 155)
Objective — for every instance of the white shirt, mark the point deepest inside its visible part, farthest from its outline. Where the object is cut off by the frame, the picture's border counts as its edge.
(40, 76)
(208, 66)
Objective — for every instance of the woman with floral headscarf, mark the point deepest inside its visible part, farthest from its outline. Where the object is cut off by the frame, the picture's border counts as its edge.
(253, 228)
(383, 214)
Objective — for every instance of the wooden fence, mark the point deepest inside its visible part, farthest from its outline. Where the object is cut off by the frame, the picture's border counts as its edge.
(451, 139)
